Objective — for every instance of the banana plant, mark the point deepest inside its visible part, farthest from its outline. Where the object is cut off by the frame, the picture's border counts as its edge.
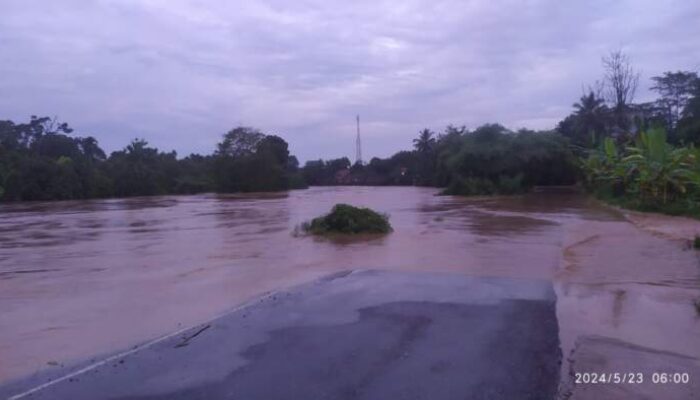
(603, 164)
(660, 171)
(651, 171)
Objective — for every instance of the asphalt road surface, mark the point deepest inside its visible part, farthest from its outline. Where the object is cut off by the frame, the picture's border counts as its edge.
(355, 335)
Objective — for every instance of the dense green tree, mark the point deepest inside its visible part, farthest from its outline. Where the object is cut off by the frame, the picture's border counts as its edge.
(404, 168)
(55, 146)
(676, 90)
(195, 175)
(248, 160)
(688, 129)
(493, 159)
(140, 170)
(448, 144)
(239, 142)
(319, 172)
(40, 160)
(488, 133)
(338, 164)
(314, 172)
(91, 149)
(274, 147)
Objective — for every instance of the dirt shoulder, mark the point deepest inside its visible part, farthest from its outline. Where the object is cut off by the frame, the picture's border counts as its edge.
(625, 294)
(670, 227)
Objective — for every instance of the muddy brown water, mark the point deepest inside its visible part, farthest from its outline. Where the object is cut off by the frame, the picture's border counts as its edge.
(90, 277)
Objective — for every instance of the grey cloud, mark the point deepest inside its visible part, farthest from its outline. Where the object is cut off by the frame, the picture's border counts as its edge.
(180, 73)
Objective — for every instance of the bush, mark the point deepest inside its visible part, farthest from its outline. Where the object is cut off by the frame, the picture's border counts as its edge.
(347, 219)
(482, 186)
(470, 187)
(296, 181)
(652, 175)
(493, 160)
(510, 185)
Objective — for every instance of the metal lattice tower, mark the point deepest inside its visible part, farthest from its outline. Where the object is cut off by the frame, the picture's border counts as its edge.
(358, 144)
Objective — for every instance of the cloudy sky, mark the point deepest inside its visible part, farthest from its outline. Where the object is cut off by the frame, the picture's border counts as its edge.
(180, 73)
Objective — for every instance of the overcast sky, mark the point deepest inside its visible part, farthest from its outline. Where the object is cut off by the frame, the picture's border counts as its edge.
(181, 73)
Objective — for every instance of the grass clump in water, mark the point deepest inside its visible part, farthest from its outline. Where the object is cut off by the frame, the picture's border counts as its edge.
(347, 219)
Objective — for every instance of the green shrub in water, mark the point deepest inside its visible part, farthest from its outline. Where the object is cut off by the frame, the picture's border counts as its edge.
(347, 219)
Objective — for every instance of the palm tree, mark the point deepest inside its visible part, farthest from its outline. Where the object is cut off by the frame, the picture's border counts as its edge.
(425, 141)
(591, 115)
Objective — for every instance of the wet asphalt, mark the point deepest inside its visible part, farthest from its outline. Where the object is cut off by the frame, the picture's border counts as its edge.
(353, 335)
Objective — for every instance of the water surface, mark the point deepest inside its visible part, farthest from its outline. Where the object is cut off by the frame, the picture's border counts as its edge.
(83, 278)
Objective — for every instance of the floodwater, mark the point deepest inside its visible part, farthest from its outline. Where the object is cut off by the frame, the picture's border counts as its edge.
(79, 279)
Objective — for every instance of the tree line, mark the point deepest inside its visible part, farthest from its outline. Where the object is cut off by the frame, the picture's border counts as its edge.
(490, 159)
(42, 159)
(607, 109)
(640, 155)
(648, 139)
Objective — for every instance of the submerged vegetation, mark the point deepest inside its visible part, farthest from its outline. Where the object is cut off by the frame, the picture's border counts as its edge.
(347, 219)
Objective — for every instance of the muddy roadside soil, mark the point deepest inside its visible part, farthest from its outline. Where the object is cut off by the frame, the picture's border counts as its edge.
(626, 295)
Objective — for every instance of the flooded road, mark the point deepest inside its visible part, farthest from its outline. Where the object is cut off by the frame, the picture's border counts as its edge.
(79, 279)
